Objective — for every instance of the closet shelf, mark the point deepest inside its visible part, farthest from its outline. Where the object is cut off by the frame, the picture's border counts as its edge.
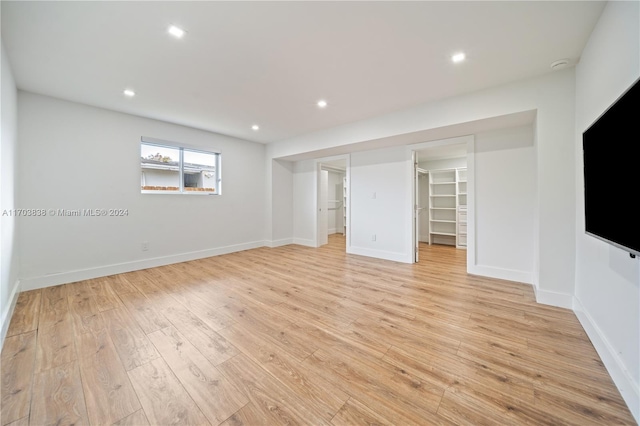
(450, 234)
(447, 198)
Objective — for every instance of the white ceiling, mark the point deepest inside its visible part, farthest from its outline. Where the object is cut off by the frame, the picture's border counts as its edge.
(268, 63)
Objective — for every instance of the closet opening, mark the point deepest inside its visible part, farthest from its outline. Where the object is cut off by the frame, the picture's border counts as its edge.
(332, 203)
(440, 187)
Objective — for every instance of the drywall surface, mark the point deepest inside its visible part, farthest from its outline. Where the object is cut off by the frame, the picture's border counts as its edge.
(607, 279)
(72, 156)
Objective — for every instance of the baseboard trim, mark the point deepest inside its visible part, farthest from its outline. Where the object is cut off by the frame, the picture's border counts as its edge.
(280, 243)
(552, 298)
(502, 274)
(379, 254)
(612, 362)
(34, 283)
(304, 242)
(8, 312)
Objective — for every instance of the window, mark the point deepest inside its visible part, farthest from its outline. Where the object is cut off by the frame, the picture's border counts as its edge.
(178, 170)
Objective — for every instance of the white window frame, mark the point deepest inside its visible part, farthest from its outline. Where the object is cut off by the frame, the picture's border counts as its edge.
(181, 148)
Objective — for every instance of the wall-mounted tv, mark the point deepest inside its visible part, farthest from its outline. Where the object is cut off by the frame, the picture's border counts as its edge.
(611, 150)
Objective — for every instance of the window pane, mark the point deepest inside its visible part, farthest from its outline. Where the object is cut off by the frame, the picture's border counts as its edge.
(160, 168)
(200, 171)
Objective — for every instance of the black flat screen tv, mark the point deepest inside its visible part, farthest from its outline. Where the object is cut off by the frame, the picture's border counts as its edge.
(611, 152)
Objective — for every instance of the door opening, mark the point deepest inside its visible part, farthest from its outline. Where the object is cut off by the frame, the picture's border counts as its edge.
(332, 202)
(421, 209)
(439, 197)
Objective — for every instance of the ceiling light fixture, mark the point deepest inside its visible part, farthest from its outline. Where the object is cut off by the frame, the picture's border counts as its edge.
(129, 93)
(458, 57)
(322, 103)
(255, 127)
(176, 32)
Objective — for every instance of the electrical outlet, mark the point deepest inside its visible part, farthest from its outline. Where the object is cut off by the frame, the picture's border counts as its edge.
(145, 245)
(373, 237)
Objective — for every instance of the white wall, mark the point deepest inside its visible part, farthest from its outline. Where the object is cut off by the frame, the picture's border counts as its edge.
(505, 196)
(281, 202)
(305, 200)
(9, 256)
(555, 164)
(73, 156)
(607, 279)
(380, 196)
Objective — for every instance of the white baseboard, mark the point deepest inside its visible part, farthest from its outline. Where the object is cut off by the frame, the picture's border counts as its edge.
(304, 242)
(33, 283)
(279, 243)
(619, 373)
(8, 312)
(380, 254)
(552, 298)
(502, 274)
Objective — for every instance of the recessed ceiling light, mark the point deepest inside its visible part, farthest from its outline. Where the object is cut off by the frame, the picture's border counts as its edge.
(458, 57)
(322, 103)
(255, 127)
(129, 93)
(176, 32)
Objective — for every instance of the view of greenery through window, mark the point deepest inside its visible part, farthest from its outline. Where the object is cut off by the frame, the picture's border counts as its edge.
(178, 170)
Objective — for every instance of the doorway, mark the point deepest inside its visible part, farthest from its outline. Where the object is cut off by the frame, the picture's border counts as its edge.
(440, 196)
(422, 208)
(332, 202)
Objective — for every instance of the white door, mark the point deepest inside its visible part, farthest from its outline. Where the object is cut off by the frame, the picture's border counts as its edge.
(323, 210)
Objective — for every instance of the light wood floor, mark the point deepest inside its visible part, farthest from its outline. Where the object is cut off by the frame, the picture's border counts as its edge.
(296, 335)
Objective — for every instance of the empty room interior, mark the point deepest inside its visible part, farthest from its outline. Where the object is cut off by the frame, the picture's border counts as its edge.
(319, 213)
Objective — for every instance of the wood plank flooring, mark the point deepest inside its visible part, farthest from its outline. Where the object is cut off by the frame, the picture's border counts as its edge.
(296, 335)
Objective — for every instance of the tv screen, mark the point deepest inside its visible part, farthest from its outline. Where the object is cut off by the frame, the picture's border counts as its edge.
(611, 149)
